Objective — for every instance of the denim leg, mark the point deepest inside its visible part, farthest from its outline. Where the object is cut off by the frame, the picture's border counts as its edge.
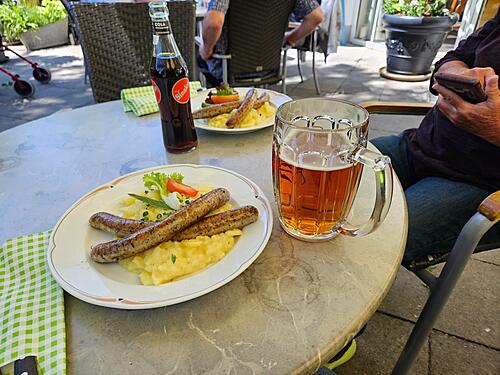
(324, 371)
(395, 147)
(437, 210)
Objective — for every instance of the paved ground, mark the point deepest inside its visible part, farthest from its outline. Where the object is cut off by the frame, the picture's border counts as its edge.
(466, 339)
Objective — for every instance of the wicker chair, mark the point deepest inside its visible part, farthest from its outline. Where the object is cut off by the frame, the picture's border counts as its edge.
(117, 42)
(255, 31)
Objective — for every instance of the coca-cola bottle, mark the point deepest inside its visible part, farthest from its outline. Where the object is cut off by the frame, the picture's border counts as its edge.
(169, 76)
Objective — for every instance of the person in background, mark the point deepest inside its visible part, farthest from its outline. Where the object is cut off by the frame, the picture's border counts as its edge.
(308, 11)
(452, 161)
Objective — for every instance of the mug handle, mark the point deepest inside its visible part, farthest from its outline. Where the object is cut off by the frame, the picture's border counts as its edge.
(382, 167)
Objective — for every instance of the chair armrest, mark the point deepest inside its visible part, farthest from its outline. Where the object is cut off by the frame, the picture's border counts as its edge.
(220, 56)
(490, 207)
(397, 108)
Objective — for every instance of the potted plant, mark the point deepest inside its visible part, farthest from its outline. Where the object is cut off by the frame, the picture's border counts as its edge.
(416, 29)
(37, 26)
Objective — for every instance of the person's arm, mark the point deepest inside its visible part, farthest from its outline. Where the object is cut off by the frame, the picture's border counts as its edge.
(212, 29)
(462, 58)
(308, 25)
(482, 119)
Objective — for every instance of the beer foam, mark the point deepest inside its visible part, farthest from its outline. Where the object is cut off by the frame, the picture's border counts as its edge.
(314, 162)
(315, 151)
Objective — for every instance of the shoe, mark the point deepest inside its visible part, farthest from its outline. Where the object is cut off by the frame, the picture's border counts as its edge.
(343, 356)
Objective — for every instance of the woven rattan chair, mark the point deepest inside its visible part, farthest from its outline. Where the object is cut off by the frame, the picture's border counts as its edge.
(467, 243)
(255, 31)
(116, 40)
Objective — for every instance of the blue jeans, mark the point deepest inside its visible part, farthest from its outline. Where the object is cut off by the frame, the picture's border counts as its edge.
(437, 208)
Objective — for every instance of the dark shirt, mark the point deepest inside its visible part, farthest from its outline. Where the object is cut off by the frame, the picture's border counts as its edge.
(439, 148)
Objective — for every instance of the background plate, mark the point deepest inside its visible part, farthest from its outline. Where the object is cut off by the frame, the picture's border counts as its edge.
(276, 100)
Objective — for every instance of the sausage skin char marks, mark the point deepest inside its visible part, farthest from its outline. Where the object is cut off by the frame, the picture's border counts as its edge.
(151, 236)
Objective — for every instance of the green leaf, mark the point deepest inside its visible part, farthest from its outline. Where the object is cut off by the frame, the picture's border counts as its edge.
(152, 202)
(176, 176)
(19, 16)
(416, 8)
(173, 257)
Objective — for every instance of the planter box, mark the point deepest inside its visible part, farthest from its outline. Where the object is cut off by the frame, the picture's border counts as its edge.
(46, 36)
(413, 42)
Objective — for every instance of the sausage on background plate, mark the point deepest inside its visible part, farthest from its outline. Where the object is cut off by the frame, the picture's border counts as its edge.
(162, 231)
(243, 110)
(219, 109)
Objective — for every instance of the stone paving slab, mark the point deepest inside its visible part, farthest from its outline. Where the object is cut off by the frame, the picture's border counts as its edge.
(492, 256)
(471, 312)
(473, 309)
(451, 355)
(66, 90)
(379, 347)
(407, 296)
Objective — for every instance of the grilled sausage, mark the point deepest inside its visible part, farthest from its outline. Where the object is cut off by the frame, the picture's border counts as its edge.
(243, 110)
(264, 97)
(219, 109)
(117, 225)
(208, 226)
(220, 223)
(162, 231)
(215, 110)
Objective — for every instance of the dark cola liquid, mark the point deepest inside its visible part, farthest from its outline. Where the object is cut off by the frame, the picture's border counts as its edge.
(179, 134)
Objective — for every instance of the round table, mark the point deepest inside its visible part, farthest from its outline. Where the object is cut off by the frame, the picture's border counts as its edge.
(295, 307)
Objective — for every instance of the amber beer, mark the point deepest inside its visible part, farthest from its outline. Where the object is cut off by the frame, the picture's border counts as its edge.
(314, 200)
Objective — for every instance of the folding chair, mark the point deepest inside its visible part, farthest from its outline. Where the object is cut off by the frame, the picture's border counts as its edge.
(441, 287)
(309, 45)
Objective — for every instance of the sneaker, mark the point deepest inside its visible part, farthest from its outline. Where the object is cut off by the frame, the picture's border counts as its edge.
(343, 356)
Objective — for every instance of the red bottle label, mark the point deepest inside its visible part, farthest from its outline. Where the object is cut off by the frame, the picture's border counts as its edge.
(157, 91)
(180, 91)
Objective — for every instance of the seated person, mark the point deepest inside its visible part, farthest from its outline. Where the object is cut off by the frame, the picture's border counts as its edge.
(214, 41)
(452, 161)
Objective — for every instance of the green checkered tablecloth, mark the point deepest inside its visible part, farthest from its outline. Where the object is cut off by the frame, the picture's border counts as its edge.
(31, 305)
(141, 100)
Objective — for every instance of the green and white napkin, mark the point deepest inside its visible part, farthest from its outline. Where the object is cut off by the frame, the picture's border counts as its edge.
(31, 305)
(141, 100)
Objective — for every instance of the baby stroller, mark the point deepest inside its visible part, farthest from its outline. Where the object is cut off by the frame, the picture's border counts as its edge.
(22, 87)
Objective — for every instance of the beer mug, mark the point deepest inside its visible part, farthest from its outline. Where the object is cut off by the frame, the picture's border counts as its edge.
(319, 150)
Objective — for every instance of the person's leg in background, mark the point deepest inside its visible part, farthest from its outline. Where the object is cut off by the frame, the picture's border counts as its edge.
(206, 69)
(437, 208)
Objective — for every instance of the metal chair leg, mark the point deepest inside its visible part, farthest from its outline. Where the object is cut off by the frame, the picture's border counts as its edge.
(316, 82)
(428, 278)
(466, 242)
(283, 72)
(298, 66)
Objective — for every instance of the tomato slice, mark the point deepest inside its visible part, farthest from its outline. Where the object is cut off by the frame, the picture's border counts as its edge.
(218, 99)
(178, 187)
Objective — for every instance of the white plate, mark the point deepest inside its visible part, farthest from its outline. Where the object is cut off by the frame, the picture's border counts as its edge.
(111, 285)
(276, 100)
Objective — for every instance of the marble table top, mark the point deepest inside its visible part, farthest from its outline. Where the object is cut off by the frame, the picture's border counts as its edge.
(294, 308)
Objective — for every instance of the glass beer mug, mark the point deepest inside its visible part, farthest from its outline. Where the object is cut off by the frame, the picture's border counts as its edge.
(319, 150)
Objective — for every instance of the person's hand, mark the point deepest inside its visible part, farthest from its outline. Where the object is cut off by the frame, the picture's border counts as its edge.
(288, 39)
(205, 54)
(479, 73)
(475, 118)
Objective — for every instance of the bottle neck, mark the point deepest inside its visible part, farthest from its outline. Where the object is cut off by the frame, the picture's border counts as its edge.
(163, 40)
